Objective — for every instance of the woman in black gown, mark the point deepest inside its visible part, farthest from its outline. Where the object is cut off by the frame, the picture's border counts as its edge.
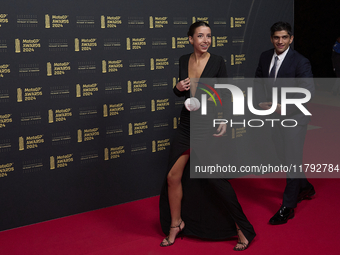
(206, 208)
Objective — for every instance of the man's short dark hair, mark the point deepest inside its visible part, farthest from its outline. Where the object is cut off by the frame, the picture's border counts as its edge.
(279, 26)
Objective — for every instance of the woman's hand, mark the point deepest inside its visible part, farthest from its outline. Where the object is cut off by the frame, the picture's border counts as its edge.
(221, 130)
(183, 85)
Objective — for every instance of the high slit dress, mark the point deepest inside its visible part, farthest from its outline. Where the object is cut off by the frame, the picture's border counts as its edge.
(209, 207)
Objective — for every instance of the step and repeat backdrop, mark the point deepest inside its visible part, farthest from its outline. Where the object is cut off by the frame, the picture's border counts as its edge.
(87, 111)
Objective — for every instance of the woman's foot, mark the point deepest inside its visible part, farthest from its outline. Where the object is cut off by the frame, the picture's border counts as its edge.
(174, 231)
(242, 242)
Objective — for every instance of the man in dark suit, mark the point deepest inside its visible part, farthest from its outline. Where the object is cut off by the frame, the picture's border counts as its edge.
(284, 62)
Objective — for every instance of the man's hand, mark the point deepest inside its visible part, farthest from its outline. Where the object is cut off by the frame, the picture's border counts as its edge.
(268, 105)
(278, 109)
(265, 105)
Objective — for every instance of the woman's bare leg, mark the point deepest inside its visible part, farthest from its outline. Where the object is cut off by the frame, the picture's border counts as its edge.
(175, 194)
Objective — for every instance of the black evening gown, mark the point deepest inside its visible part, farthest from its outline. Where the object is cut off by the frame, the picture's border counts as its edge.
(209, 206)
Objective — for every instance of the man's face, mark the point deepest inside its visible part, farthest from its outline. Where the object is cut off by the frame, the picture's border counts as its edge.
(281, 41)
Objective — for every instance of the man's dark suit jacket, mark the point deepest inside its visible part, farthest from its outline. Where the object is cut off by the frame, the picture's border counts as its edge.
(296, 71)
(293, 66)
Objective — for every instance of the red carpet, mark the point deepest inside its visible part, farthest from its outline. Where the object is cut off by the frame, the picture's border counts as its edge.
(133, 228)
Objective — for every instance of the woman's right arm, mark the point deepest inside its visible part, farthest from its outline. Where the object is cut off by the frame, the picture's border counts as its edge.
(183, 85)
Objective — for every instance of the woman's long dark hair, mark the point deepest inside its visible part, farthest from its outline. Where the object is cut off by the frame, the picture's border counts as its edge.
(195, 25)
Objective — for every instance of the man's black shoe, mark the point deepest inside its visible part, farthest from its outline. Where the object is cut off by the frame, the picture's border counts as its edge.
(282, 216)
(306, 193)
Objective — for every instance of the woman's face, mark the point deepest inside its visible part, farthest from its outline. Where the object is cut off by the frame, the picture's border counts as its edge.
(201, 39)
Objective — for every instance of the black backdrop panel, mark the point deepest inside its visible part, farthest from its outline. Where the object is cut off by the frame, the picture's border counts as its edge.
(87, 111)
